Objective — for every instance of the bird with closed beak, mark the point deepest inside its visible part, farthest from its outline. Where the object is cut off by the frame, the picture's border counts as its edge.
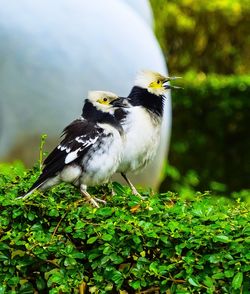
(91, 149)
(142, 121)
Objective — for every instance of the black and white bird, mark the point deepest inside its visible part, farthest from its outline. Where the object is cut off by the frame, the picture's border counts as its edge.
(91, 150)
(142, 122)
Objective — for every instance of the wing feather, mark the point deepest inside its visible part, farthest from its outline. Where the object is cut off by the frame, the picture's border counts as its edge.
(79, 136)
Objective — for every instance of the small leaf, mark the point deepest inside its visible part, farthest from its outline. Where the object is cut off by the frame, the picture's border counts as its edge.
(237, 280)
(40, 283)
(69, 261)
(80, 225)
(2, 289)
(79, 255)
(193, 282)
(117, 277)
(116, 258)
(218, 276)
(107, 237)
(136, 239)
(222, 239)
(91, 240)
(105, 211)
(17, 252)
(153, 267)
(229, 273)
(135, 285)
(208, 282)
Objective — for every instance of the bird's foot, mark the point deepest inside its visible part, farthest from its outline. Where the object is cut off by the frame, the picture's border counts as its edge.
(135, 192)
(99, 200)
(92, 201)
(112, 192)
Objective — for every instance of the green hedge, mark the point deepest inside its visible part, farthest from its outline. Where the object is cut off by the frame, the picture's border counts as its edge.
(210, 133)
(56, 243)
(204, 36)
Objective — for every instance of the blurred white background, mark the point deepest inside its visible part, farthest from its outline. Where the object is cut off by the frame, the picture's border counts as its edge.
(53, 52)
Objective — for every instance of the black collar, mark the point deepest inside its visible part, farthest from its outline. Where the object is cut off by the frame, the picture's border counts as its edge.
(141, 97)
(92, 114)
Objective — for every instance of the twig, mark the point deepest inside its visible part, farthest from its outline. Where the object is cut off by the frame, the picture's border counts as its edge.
(82, 288)
(43, 137)
(150, 290)
(52, 262)
(57, 226)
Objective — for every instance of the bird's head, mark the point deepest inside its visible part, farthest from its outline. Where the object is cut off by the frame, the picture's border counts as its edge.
(154, 82)
(102, 100)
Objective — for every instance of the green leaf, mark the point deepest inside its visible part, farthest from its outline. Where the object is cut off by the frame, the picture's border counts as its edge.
(135, 285)
(222, 239)
(105, 259)
(40, 283)
(2, 289)
(154, 267)
(116, 258)
(106, 211)
(91, 240)
(237, 280)
(56, 278)
(79, 255)
(107, 237)
(117, 277)
(136, 239)
(13, 281)
(193, 282)
(208, 282)
(218, 276)
(31, 216)
(229, 273)
(69, 261)
(80, 225)
(214, 258)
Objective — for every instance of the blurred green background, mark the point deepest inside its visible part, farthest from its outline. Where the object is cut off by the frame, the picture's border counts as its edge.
(208, 44)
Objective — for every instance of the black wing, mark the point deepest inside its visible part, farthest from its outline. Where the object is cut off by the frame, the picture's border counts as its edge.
(80, 135)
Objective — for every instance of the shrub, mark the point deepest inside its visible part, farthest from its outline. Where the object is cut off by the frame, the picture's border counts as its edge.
(210, 133)
(56, 243)
(204, 36)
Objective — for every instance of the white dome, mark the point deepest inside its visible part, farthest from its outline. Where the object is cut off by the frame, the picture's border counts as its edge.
(53, 52)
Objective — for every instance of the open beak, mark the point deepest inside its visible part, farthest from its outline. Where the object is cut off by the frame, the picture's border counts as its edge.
(121, 102)
(167, 86)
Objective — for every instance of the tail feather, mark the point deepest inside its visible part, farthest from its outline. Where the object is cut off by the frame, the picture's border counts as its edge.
(34, 187)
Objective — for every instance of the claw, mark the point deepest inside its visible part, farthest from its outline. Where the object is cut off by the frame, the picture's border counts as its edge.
(99, 200)
(92, 201)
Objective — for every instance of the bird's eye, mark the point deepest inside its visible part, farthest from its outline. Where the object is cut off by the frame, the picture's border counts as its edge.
(105, 99)
(158, 82)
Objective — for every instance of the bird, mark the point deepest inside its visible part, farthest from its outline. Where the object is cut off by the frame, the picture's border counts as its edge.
(142, 121)
(90, 151)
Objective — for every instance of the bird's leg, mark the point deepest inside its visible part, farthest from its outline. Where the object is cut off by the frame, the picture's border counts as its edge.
(92, 200)
(132, 187)
(99, 200)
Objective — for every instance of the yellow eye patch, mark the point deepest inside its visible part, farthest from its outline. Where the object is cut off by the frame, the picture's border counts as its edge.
(104, 101)
(156, 84)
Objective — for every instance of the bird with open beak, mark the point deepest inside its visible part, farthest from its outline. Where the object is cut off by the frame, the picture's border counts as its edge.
(142, 121)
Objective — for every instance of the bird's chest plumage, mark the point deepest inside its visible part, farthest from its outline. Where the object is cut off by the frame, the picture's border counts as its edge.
(103, 160)
(141, 140)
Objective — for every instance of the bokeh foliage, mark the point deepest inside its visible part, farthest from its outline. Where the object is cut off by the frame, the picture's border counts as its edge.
(208, 43)
(204, 36)
(56, 243)
(210, 133)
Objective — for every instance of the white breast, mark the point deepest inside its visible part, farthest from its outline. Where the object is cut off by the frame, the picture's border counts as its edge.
(142, 135)
(105, 160)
